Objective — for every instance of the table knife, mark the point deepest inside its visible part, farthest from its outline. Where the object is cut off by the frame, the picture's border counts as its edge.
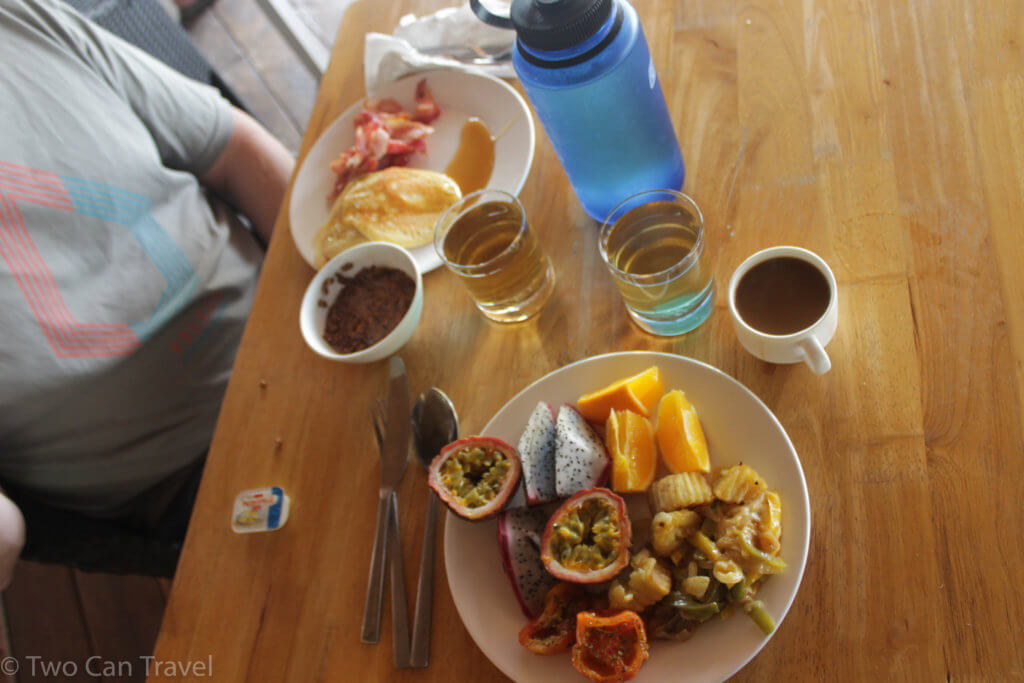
(393, 461)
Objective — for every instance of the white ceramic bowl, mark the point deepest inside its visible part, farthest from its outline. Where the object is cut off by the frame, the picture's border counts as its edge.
(312, 315)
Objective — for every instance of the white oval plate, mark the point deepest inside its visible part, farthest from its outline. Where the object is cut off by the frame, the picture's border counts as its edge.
(461, 95)
(738, 427)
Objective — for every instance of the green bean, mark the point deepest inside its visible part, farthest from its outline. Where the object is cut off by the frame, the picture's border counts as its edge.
(673, 597)
(701, 611)
(675, 629)
(770, 560)
(739, 590)
(761, 617)
(691, 609)
(705, 545)
(717, 592)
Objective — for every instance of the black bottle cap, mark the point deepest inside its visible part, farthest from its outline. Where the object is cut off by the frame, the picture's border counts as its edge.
(558, 24)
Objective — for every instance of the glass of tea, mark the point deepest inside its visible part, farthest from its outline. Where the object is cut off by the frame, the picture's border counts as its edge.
(784, 304)
(485, 240)
(653, 244)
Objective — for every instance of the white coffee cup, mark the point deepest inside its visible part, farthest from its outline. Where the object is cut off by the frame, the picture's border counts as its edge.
(806, 345)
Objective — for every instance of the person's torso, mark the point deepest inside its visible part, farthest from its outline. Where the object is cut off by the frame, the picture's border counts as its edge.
(122, 295)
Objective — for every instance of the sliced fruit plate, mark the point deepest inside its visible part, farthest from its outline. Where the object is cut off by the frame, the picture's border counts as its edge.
(584, 536)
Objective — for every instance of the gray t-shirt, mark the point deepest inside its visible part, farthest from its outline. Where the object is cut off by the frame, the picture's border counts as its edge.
(123, 293)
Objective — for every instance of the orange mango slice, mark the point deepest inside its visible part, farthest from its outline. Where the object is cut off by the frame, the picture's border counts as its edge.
(630, 441)
(639, 393)
(680, 436)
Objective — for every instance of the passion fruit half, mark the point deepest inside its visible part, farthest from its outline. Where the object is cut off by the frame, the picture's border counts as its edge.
(587, 539)
(475, 476)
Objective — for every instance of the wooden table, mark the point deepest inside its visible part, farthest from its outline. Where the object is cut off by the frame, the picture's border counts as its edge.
(886, 136)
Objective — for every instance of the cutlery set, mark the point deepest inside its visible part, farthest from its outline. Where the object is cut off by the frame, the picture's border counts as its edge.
(432, 423)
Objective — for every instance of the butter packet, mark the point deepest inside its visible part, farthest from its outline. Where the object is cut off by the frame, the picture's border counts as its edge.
(262, 509)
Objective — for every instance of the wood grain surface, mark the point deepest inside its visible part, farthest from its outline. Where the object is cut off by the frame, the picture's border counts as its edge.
(888, 136)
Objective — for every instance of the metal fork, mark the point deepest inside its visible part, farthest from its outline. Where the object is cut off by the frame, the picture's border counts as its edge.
(378, 560)
(471, 54)
(399, 606)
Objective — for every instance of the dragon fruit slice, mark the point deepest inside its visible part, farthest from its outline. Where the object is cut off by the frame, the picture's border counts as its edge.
(537, 454)
(581, 460)
(519, 533)
(517, 499)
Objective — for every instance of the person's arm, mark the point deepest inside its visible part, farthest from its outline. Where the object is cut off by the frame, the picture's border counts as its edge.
(12, 539)
(251, 172)
(188, 121)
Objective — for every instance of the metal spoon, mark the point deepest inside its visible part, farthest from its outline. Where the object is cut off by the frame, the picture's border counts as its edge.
(434, 425)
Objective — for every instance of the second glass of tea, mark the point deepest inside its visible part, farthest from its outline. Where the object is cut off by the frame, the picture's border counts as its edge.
(653, 244)
(485, 240)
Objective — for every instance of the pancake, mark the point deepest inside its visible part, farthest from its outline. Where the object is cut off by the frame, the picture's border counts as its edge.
(398, 205)
(334, 237)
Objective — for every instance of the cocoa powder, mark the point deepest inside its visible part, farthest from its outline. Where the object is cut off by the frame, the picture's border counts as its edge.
(369, 306)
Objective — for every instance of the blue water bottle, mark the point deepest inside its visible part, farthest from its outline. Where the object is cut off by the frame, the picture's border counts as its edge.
(588, 73)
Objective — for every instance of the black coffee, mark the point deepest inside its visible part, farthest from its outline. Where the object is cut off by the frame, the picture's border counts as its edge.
(782, 295)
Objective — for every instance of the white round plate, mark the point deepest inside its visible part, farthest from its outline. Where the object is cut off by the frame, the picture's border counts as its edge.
(738, 427)
(461, 95)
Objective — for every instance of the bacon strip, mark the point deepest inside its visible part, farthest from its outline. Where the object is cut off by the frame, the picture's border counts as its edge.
(426, 108)
(385, 136)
